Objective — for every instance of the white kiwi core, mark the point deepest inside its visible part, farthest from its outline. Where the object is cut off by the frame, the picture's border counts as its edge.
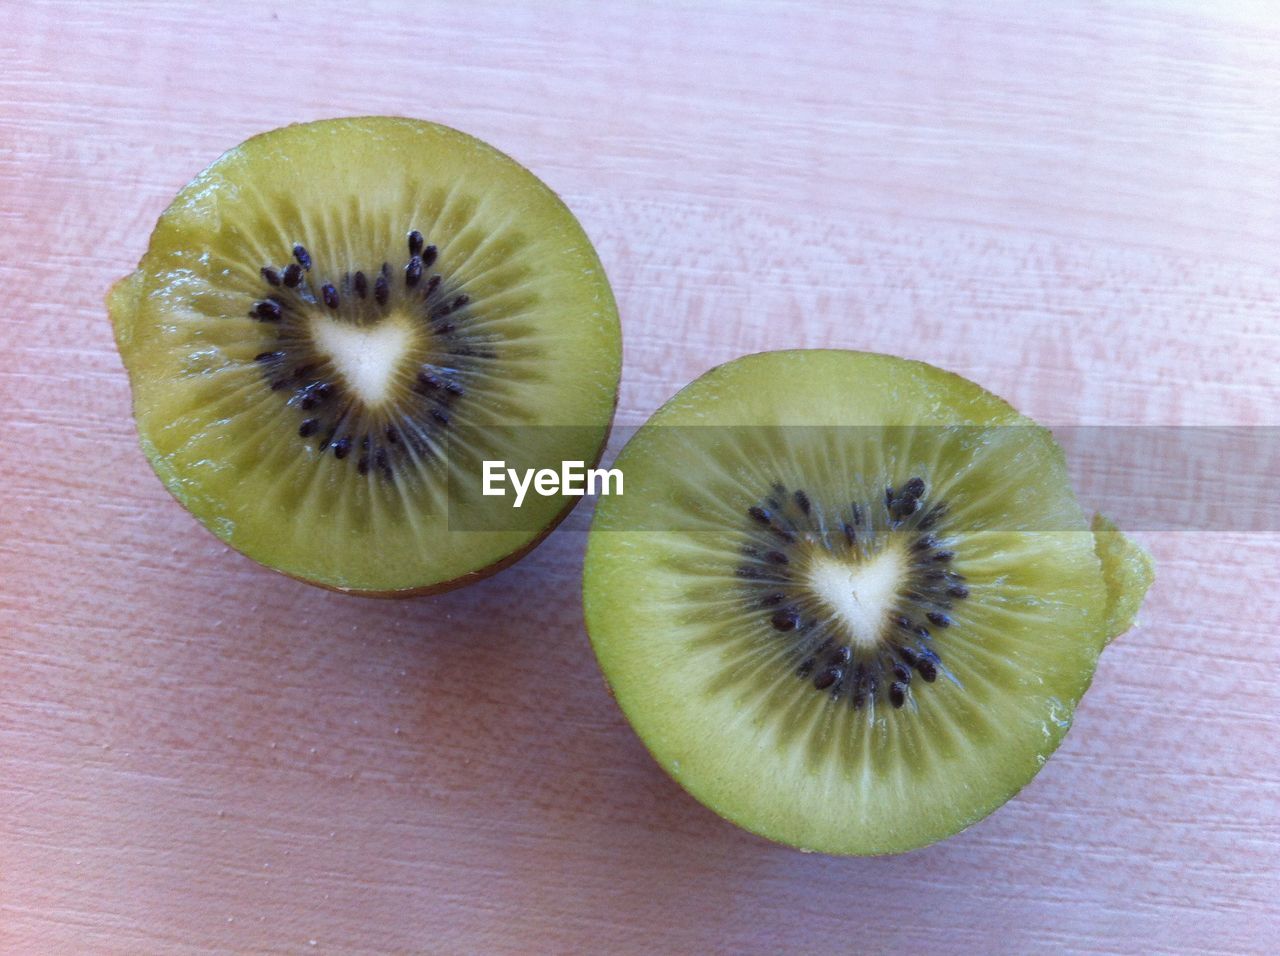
(861, 593)
(368, 357)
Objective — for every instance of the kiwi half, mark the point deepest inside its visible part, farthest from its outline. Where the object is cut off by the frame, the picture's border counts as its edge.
(849, 601)
(337, 322)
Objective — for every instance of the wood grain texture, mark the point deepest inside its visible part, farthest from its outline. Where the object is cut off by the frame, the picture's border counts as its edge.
(1078, 209)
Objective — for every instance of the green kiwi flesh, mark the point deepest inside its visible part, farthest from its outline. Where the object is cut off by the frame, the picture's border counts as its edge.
(1128, 570)
(337, 322)
(849, 601)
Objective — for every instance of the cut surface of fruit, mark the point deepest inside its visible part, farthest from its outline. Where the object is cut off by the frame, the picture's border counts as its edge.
(848, 601)
(1128, 571)
(337, 322)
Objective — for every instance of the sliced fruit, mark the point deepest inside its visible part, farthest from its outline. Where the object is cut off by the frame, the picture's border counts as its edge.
(336, 323)
(848, 601)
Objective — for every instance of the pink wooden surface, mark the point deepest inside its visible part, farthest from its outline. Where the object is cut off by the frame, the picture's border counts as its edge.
(1078, 208)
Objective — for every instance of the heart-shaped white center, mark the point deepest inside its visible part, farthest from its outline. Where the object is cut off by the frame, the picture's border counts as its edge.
(862, 595)
(367, 357)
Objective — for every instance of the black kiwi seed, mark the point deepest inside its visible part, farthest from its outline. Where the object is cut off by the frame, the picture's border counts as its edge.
(772, 599)
(292, 275)
(415, 242)
(268, 357)
(776, 557)
(330, 295)
(413, 272)
(841, 655)
(897, 694)
(428, 256)
(341, 447)
(313, 395)
(828, 677)
(914, 488)
(938, 619)
(270, 274)
(926, 666)
(361, 284)
(308, 427)
(785, 620)
(958, 591)
(304, 258)
(943, 556)
(268, 310)
(759, 514)
(381, 289)
(802, 501)
(433, 283)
